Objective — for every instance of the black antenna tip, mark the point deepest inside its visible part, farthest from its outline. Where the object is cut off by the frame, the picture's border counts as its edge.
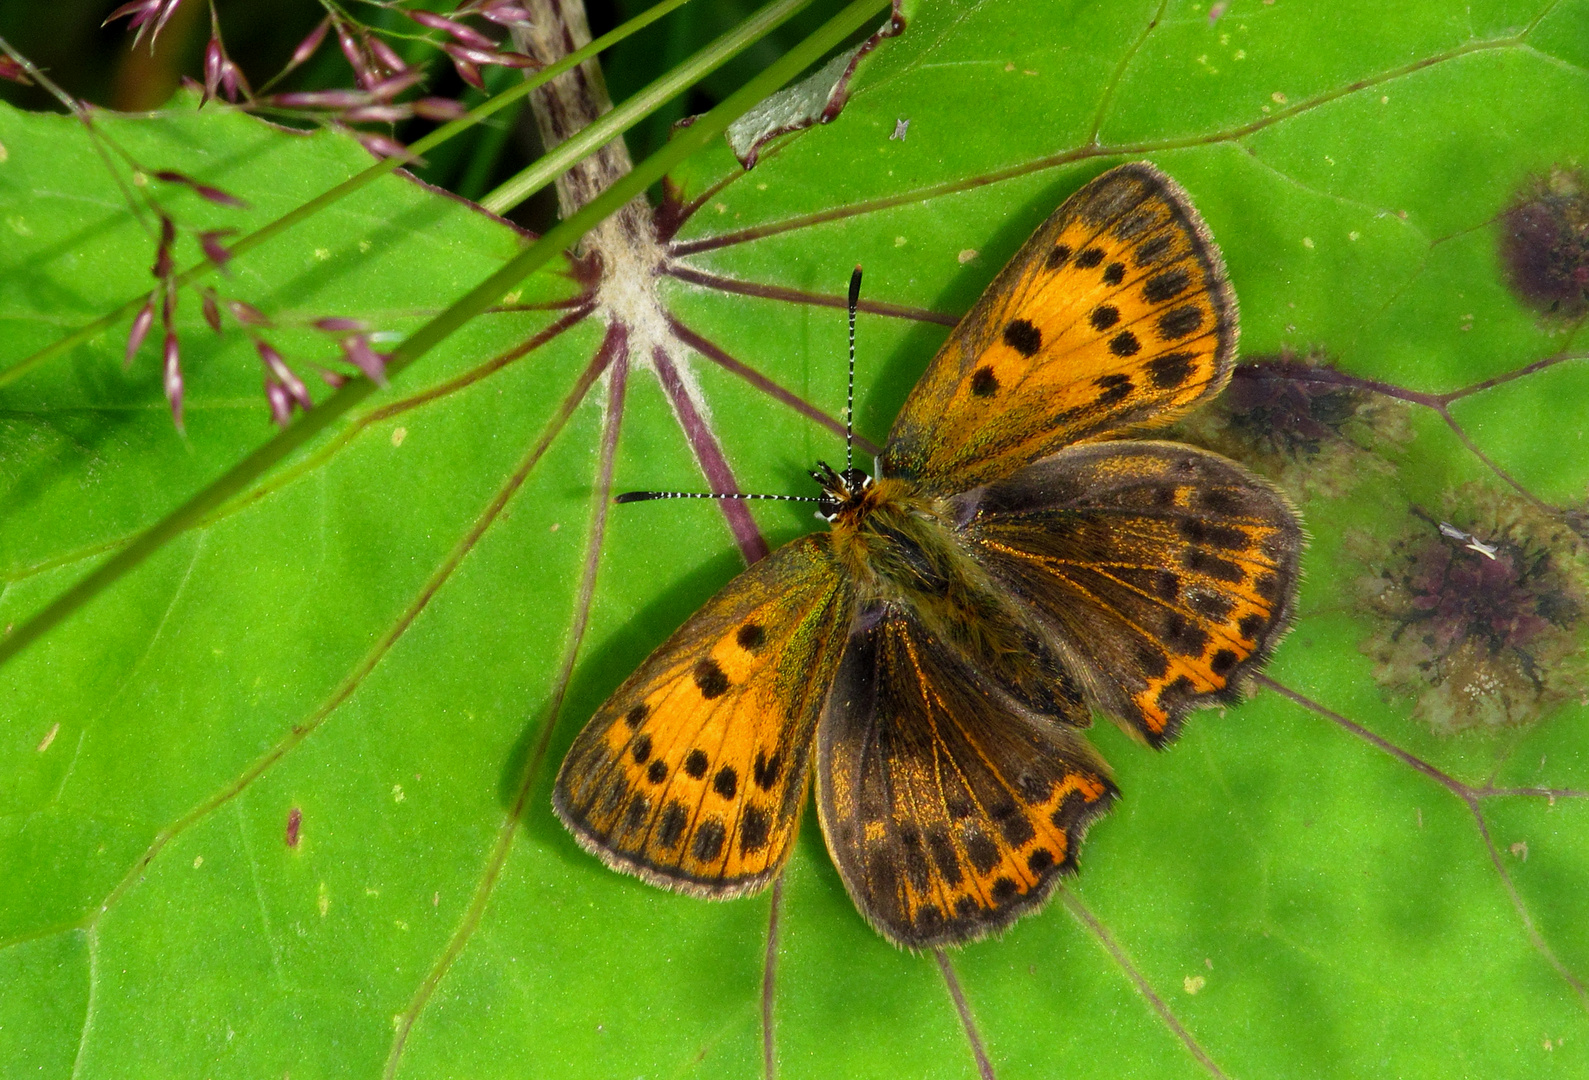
(855, 288)
(637, 496)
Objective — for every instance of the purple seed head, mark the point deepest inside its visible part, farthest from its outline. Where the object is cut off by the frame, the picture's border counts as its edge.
(172, 372)
(140, 330)
(357, 349)
(212, 310)
(309, 45)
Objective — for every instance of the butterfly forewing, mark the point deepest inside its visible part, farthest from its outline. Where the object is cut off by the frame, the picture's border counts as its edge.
(948, 809)
(1165, 571)
(693, 773)
(1116, 313)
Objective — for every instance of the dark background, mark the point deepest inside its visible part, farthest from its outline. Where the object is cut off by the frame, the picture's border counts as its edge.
(98, 64)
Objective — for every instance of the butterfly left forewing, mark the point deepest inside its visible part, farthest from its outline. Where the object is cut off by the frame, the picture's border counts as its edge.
(1116, 313)
(948, 808)
(692, 775)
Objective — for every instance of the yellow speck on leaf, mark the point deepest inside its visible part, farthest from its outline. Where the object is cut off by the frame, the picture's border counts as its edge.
(1194, 983)
(398, 435)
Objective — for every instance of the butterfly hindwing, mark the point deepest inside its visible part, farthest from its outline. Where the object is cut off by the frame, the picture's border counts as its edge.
(1166, 572)
(1116, 313)
(948, 809)
(692, 775)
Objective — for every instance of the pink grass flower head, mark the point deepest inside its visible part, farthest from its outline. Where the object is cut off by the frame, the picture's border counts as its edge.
(10, 69)
(277, 370)
(357, 349)
(145, 16)
(309, 45)
(207, 192)
(171, 370)
(247, 314)
(215, 251)
(212, 310)
(140, 330)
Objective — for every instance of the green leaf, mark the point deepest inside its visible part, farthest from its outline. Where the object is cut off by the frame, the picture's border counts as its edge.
(392, 640)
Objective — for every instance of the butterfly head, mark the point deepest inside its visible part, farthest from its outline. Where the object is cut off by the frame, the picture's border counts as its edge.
(842, 492)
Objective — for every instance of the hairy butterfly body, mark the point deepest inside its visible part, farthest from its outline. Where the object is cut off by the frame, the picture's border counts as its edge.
(1015, 566)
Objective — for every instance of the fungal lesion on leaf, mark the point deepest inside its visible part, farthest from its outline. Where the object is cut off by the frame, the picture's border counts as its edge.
(1477, 611)
(1544, 244)
(1286, 417)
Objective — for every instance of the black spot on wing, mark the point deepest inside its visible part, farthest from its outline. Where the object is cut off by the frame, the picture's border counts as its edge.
(1170, 370)
(1153, 249)
(1220, 536)
(753, 830)
(751, 637)
(1125, 343)
(1183, 635)
(1023, 337)
(695, 763)
(670, 830)
(657, 772)
(641, 749)
(1104, 316)
(1115, 388)
(1058, 256)
(1090, 258)
(766, 769)
(1166, 285)
(982, 851)
(709, 837)
(1114, 273)
(726, 782)
(710, 679)
(984, 383)
(1219, 569)
(636, 716)
(1179, 322)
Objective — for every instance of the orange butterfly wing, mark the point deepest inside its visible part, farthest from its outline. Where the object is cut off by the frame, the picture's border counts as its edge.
(693, 774)
(1116, 313)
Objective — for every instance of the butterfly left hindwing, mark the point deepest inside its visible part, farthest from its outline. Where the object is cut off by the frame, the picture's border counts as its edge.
(692, 775)
(949, 809)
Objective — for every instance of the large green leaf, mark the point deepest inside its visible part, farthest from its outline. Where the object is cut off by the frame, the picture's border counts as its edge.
(393, 639)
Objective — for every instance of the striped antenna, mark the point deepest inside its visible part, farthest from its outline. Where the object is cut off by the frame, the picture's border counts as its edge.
(849, 396)
(849, 438)
(642, 496)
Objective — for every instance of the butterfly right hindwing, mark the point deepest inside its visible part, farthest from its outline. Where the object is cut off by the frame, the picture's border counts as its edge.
(1165, 572)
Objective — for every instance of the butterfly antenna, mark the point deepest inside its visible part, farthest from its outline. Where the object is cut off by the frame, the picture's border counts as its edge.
(642, 496)
(849, 398)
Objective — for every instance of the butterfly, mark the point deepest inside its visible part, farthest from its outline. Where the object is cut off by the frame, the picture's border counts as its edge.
(1018, 562)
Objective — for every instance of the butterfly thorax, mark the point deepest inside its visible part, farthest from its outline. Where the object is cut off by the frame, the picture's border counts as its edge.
(899, 546)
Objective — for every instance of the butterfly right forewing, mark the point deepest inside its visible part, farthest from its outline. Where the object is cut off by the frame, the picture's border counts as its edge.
(1116, 313)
